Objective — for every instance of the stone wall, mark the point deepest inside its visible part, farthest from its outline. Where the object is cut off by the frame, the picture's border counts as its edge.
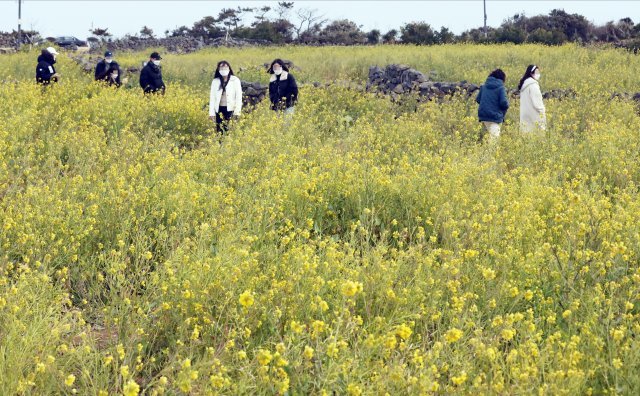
(398, 80)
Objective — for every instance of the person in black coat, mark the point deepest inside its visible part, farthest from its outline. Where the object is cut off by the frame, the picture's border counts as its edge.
(283, 89)
(151, 75)
(45, 71)
(108, 70)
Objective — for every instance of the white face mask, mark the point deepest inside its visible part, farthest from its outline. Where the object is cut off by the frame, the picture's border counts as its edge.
(108, 60)
(224, 72)
(156, 62)
(277, 71)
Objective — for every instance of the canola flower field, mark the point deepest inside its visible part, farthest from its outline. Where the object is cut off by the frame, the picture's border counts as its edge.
(362, 247)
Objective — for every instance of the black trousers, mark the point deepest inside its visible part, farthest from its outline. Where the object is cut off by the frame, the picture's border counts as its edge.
(222, 119)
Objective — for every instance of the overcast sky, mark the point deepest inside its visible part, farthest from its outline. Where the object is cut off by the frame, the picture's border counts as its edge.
(57, 18)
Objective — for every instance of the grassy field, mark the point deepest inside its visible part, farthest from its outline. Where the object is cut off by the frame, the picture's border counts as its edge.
(357, 249)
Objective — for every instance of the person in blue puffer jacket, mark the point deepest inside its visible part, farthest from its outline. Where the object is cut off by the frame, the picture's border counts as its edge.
(493, 103)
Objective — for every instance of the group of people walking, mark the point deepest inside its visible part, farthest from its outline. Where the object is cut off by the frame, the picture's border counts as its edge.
(494, 102)
(225, 101)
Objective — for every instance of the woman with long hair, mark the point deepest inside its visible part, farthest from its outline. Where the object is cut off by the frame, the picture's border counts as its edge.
(532, 111)
(226, 96)
(283, 89)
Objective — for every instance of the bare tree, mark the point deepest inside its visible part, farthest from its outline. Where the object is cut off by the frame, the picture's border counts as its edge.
(308, 17)
(240, 15)
(283, 9)
(261, 13)
(232, 18)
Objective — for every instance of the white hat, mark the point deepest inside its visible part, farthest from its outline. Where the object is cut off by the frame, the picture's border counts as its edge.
(52, 51)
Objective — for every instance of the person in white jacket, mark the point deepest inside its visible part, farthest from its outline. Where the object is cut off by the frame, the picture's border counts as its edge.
(226, 96)
(532, 111)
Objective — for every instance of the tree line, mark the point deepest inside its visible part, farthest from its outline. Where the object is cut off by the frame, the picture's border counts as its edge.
(284, 24)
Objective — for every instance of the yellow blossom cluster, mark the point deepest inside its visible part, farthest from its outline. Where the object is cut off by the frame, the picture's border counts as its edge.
(359, 247)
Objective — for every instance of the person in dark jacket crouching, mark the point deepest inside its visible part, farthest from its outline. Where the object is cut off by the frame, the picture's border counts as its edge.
(45, 71)
(283, 89)
(108, 70)
(151, 75)
(493, 103)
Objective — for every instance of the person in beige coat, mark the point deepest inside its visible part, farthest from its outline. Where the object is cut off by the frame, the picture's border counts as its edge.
(532, 111)
(226, 96)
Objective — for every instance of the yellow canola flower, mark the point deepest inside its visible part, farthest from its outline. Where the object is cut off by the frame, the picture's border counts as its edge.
(507, 334)
(264, 357)
(351, 288)
(296, 327)
(308, 352)
(131, 389)
(403, 331)
(246, 299)
(453, 335)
